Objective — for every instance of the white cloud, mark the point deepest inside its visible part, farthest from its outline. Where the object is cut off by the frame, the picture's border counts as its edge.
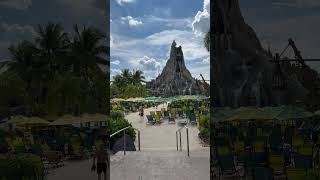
(201, 22)
(197, 70)
(111, 41)
(83, 8)
(157, 45)
(193, 47)
(131, 21)
(114, 72)
(123, 2)
(149, 64)
(16, 4)
(115, 62)
(17, 29)
(11, 34)
(206, 60)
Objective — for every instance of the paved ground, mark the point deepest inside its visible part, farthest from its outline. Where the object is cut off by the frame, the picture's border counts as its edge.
(162, 136)
(158, 159)
(161, 165)
(74, 170)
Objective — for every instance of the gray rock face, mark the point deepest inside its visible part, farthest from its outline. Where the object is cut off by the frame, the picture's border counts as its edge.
(118, 146)
(175, 78)
(243, 72)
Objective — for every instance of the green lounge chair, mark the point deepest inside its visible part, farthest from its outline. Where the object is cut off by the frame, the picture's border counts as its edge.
(171, 120)
(150, 119)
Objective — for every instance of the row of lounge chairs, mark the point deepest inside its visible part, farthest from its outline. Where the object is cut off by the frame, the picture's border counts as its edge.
(157, 116)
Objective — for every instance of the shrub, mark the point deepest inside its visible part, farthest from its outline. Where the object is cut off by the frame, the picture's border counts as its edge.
(23, 166)
(117, 114)
(204, 127)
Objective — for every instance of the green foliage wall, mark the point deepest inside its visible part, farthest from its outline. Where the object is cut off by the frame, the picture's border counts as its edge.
(23, 166)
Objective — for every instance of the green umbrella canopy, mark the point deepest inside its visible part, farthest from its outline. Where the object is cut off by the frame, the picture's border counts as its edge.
(85, 118)
(17, 119)
(251, 113)
(33, 122)
(291, 112)
(222, 114)
(66, 120)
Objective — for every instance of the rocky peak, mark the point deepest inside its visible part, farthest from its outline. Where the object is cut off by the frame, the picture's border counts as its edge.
(175, 78)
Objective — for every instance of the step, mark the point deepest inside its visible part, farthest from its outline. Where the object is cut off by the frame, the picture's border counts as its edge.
(161, 165)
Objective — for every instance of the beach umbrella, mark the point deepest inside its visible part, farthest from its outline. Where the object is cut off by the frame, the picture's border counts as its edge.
(188, 97)
(17, 119)
(87, 118)
(291, 112)
(222, 114)
(33, 122)
(251, 114)
(66, 120)
(317, 113)
(117, 100)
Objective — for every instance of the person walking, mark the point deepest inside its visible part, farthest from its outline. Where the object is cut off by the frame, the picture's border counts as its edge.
(141, 113)
(101, 157)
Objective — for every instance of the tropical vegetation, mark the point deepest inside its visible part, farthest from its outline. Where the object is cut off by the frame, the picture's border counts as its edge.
(58, 73)
(128, 84)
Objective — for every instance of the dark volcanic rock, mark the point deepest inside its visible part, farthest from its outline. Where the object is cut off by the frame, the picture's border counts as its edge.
(243, 72)
(175, 78)
(118, 145)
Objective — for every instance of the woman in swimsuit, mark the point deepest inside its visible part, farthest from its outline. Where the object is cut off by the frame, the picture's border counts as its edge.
(101, 155)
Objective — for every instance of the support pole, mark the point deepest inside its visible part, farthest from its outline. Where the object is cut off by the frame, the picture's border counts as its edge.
(124, 142)
(188, 142)
(180, 141)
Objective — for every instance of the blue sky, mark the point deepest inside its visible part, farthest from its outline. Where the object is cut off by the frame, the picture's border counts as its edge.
(142, 32)
(19, 17)
(275, 21)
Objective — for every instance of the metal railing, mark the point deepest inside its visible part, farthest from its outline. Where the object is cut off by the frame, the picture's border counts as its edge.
(124, 137)
(179, 131)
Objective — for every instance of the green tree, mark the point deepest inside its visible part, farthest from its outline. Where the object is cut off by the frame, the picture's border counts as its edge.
(137, 77)
(53, 44)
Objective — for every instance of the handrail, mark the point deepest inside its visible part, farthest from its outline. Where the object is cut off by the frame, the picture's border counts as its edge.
(124, 137)
(179, 130)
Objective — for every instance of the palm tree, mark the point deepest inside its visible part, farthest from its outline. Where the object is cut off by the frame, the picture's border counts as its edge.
(89, 50)
(23, 56)
(137, 77)
(53, 44)
(126, 75)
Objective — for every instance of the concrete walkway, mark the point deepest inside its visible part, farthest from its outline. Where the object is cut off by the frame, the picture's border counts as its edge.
(77, 170)
(161, 165)
(162, 136)
(158, 158)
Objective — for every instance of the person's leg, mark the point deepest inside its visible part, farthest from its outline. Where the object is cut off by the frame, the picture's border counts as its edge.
(99, 176)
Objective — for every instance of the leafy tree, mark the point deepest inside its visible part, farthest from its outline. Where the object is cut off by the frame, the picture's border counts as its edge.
(137, 77)
(57, 74)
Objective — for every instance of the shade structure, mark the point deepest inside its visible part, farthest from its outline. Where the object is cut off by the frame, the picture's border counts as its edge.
(317, 113)
(290, 112)
(66, 120)
(222, 114)
(117, 100)
(87, 118)
(137, 99)
(33, 122)
(251, 114)
(17, 119)
(189, 97)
